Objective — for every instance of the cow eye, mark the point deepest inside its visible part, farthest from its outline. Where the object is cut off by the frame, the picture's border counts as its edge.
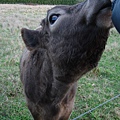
(53, 18)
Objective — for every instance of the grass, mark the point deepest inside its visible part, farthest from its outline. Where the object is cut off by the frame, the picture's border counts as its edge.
(94, 88)
(51, 2)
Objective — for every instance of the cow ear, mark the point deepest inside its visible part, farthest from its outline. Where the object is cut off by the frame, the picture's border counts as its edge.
(30, 38)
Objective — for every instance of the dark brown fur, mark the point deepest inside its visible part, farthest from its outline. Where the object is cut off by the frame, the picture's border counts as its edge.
(58, 54)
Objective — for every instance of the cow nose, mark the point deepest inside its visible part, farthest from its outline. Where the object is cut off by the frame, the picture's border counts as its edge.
(97, 4)
(92, 7)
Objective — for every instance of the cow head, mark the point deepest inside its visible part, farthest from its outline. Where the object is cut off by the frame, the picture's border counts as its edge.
(66, 22)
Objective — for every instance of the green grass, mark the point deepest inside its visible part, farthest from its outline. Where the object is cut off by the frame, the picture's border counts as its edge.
(40, 1)
(94, 88)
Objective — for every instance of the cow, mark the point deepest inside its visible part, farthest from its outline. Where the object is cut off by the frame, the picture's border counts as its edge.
(68, 43)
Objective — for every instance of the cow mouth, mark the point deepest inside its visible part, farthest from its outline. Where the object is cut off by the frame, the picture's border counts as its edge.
(108, 5)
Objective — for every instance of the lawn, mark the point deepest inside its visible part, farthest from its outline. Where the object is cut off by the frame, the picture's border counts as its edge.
(94, 88)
